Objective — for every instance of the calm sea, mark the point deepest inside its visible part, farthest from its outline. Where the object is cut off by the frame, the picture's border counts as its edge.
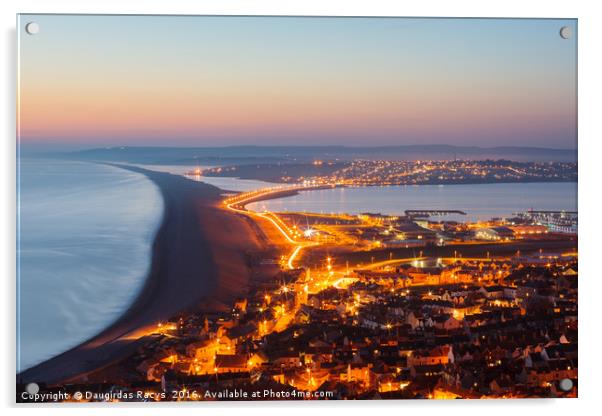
(225, 183)
(480, 202)
(84, 245)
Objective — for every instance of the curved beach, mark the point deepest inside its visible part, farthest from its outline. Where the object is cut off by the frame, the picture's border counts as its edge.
(198, 263)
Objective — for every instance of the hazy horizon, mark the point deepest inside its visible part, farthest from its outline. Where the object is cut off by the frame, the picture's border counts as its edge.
(74, 147)
(200, 81)
(275, 154)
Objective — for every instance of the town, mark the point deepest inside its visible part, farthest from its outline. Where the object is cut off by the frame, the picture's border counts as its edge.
(392, 172)
(374, 306)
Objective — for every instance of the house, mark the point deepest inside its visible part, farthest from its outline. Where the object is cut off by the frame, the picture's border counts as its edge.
(553, 370)
(419, 320)
(493, 292)
(231, 363)
(426, 371)
(494, 233)
(318, 354)
(438, 355)
(447, 323)
(241, 333)
(308, 379)
(201, 350)
(359, 372)
(286, 359)
(257, 359)
(534, 360)
(525, 231)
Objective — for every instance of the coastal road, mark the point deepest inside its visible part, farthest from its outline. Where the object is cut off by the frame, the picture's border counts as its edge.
(238, 202)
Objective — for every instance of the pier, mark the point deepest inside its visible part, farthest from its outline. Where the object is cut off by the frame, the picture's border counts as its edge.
(421, 213)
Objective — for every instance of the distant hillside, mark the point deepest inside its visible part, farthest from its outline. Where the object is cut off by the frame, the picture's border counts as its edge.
(271, 154)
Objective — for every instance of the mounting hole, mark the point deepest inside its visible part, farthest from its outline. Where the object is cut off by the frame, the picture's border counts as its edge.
(565, 32)
(32, 28)
(32, 388)
(566, 384)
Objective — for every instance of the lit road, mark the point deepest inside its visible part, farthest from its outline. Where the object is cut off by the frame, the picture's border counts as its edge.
(344, 282)
(389, 263)
(238, 202)
(449, 260)
(293, 255)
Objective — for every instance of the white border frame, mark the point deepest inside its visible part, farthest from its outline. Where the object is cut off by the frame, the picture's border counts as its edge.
(590, 31)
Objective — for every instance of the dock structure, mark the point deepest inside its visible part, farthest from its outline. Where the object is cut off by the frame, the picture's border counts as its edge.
(423, 213)
(549, 212)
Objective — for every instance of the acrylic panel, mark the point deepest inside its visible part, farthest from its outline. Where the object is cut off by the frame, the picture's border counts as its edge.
(296, 208)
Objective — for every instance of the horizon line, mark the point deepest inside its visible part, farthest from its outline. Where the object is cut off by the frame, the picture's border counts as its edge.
(275, 146)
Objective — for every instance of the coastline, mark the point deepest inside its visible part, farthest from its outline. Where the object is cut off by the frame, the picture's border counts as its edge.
(74, 220)
(198, 263)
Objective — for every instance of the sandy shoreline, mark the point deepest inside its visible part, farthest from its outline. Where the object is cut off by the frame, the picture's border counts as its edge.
(198, 262)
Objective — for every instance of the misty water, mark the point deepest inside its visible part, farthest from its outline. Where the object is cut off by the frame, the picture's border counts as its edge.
(84, 246)
(478, 201)
(224, 183)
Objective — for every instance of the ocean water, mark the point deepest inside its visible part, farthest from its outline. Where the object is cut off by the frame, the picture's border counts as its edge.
(233, 184)
(480, 202)
(225, 183)
(83, 245)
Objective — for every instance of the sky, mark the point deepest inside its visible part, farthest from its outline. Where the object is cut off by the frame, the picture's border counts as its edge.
(92, 81)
